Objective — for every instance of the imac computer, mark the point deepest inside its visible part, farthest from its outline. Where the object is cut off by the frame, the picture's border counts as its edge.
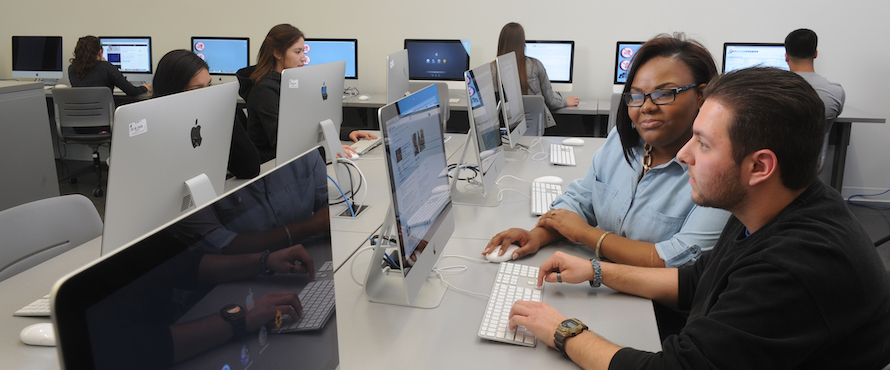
(558, 58)
(224, 55)
(438, 61)
(624, 53)
(168, 155)
(311, 112)
(473, 180)
(320, 51)
(132, 55)
(420, 210)
(514, 124)
(738, 55)
(141, 304)
(397, 85)
(37, 57)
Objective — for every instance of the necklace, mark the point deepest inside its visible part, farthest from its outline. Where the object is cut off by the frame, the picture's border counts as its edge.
(647, 158)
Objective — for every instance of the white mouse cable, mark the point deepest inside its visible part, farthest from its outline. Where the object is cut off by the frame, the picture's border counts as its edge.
(360, 174)
(439, 271)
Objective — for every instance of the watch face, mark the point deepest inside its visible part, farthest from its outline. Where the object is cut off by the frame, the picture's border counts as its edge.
(569, 324)
(234, 309)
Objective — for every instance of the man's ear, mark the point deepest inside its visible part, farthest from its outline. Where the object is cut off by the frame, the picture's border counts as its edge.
(763, 165)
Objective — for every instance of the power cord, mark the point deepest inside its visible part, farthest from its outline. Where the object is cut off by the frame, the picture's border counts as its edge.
(348, 204)
(850, 199)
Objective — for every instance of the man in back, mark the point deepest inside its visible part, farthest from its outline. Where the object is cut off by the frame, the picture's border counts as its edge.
(793, 282)
(800, 53)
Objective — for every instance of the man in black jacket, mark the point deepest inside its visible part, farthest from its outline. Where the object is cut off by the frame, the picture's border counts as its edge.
(793, 281)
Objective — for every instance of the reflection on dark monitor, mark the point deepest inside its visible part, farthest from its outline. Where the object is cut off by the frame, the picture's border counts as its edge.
(558, 58)
(420, 210)
(170, 155)
(738, 55)
(511, 98)
(157, 302)
(224, 55)
(624, 53)
(479, 173)
(37, 57)
(132, 55)
(438, 60)
(320, 51)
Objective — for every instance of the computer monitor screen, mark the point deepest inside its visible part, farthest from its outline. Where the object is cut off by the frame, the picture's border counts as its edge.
(37, 57)
(511, 98)
(443, 60)
(319, 51)
(738, 55)
(132, 55)
(421, 202)
(558, 58)
(157, 302)
(224, 55)
(624, 53)
(169, 155)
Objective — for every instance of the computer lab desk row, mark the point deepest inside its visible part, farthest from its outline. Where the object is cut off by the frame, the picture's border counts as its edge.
(373, 335)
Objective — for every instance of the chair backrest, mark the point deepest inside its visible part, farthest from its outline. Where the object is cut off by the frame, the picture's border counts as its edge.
(37, 231)
(83, 107)
(613, 111)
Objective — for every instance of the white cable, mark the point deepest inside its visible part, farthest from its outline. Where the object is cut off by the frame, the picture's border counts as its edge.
(535, 156)
(360, 174)
(501, 195)
(460, 268)
(506, 176)
(352, 263)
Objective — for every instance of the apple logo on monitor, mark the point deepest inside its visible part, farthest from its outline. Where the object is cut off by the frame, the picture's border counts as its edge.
(324, 91)
(196, 135)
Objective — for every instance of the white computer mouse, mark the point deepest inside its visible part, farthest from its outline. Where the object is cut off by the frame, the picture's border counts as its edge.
(549, 180)
(364, 97)
(61, 86)
(574, 141)
(41, 334)
(353, 156)
(508, 255)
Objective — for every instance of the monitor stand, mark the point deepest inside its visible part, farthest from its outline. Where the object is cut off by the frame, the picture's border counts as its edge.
(200, 189)
(390, 288)
(462, 195)
(341, 174)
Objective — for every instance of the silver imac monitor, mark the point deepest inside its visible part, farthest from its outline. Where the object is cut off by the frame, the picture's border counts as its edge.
(320, 51)
(558, 58)
(738, 55)
(511, 98)
(310, 112)
(473, 180)
(438, 61)
(397, 85)
(155, 304)
(131, 54)
(37, 57)
(168, 155)
(624, 53)
(224, 55)
(420, 216)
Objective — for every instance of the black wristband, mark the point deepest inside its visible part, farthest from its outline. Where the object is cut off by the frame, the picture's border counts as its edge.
(262, 264)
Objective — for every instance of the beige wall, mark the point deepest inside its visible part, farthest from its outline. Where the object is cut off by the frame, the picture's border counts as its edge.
(853, 47)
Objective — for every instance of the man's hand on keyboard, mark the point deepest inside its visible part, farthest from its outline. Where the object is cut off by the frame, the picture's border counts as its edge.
(358, 135)
(293, 260)
(538, 317)
(266, 308)
(571, 269)
(566, 223)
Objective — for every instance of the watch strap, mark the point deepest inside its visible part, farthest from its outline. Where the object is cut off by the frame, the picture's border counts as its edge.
(562, 334)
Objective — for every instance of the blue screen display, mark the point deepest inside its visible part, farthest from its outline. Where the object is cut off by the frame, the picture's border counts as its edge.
(225, 56)
(319, 51)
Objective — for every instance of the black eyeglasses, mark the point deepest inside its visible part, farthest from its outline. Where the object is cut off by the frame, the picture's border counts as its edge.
(659, 97)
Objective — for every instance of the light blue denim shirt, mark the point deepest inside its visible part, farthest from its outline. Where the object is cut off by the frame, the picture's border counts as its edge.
(657, 209)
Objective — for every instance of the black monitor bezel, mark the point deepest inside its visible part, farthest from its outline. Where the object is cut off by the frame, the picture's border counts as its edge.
(14, 52)
(151, 67)
(571, 61)
(618, 56)
(246, 62)
(354, 41)
(443, 41)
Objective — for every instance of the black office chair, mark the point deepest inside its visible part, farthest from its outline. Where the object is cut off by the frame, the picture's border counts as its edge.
(84, 116)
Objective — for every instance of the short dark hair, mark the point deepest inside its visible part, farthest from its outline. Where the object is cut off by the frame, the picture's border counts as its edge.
(690, 52)
(801, 44)
(175, 70)
(776, 110)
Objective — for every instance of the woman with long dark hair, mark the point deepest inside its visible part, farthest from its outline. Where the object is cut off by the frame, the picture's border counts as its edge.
(88, 68)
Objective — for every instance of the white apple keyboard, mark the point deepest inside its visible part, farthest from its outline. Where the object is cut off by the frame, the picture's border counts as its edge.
(39, 308)
(514, 282)
(365, 145)
(562, 155)
(542, 195)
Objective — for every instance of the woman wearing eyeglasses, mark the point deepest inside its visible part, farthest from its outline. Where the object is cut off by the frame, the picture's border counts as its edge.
(634, 206)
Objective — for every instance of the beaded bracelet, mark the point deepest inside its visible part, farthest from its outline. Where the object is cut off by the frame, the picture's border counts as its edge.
(262, 264)
(597, 273)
